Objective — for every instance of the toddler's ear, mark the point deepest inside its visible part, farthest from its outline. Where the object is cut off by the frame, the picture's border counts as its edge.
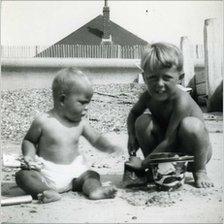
(62, 98)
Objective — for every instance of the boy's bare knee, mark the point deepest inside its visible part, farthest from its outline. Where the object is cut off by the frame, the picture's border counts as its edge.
(142, 122)
(191, 125)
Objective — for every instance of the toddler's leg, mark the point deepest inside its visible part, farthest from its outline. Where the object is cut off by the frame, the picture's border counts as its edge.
(194, 140)
(89, 183)
(32, 182)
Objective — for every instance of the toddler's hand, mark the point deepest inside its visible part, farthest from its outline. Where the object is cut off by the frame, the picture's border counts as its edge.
(31, 164)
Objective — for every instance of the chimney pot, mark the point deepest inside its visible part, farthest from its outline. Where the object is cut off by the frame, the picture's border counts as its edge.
(106, 23)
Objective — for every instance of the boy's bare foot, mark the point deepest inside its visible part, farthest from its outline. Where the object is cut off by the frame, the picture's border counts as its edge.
(48, 196)
(202, 180)
(103, 193)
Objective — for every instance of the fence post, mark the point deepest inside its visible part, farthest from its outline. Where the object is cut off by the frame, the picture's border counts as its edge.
(188, 60)
(213, 56)
(119, 51)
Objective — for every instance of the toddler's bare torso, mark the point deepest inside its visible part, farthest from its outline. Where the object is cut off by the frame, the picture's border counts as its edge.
(59, 139)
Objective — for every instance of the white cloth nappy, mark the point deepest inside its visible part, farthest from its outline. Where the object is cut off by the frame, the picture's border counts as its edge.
(59, 176)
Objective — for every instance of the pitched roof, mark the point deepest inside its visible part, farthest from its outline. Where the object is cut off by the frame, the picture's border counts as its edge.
(92, 32)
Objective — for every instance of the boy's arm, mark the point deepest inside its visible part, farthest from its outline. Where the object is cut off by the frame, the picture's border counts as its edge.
(31, 139)
(135, 112)
(181, 110)
(98, 140)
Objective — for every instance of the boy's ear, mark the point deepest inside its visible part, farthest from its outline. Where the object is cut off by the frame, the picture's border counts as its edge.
(181, 76)
(62, 98)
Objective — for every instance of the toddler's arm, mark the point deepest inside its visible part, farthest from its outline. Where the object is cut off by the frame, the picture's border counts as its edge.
(98, 140)
(29, 144)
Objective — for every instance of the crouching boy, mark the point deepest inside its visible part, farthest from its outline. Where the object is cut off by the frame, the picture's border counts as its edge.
(174, 122)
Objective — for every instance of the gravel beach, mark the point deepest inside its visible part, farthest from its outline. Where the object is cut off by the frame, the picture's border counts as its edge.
(108, 109)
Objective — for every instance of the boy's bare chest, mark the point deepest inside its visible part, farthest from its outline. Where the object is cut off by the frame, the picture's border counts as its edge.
(160, 110)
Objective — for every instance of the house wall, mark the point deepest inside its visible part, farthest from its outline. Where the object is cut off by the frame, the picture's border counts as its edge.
(39, 73)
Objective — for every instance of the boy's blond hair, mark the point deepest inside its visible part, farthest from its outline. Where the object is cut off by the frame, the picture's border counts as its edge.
(65, 81)
(161, 55)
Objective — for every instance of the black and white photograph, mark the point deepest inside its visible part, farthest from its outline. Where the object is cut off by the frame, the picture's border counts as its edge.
(112, 111)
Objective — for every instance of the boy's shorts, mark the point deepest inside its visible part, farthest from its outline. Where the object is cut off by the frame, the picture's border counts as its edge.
(59, 177)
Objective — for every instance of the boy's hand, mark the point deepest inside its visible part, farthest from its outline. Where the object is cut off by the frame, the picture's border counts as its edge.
(135, 163)
(31, 164)
(132, 145)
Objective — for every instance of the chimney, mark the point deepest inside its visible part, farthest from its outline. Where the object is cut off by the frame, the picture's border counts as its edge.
(106, 39)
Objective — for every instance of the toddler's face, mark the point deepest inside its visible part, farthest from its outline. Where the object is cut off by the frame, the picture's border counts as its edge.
(75, 105)
(161, 83)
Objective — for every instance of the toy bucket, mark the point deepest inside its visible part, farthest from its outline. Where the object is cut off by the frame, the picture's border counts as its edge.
(169, 169)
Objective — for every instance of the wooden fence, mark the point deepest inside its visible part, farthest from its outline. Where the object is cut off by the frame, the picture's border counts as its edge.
(83, 51)
(73, 51)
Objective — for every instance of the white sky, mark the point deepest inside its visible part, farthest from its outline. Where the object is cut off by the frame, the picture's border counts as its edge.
(46, 22)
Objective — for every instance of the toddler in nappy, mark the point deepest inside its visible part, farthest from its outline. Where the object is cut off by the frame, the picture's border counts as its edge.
(52, 162)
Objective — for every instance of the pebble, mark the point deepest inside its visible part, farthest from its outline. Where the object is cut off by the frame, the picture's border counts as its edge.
(33, 211)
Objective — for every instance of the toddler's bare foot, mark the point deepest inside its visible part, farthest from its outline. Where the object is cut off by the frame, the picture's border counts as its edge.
(202, 180)
(48, 196)
(103, 193)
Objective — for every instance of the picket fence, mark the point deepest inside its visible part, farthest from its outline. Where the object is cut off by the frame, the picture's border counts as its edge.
(82, 51)
(73, 51)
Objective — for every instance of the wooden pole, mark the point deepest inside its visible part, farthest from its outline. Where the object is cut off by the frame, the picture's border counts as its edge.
(188, 60)
(213, 55)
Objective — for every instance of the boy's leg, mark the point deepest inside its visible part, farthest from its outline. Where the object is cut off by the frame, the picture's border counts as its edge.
(89, 183)
(148, 133)
(32, 182)
(194, 140)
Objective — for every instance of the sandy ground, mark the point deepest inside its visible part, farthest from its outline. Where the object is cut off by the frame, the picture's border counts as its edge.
(142, 205)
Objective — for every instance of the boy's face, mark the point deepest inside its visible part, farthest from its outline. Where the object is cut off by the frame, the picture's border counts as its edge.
(161, 83)
(74, 105)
